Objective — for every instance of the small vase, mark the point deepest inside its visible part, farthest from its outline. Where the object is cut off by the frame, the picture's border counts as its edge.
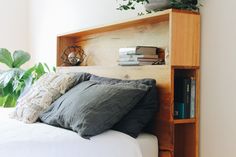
(156, 5)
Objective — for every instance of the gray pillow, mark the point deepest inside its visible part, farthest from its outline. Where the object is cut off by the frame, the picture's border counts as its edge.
(91, 108)
(141, 114)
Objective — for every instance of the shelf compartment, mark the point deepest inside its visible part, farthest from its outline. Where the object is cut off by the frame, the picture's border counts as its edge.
(185, 85)
(185, 140)
(184, 121)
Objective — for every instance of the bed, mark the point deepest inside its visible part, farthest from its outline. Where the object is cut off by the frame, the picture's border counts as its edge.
(38, 139)
(18, 139)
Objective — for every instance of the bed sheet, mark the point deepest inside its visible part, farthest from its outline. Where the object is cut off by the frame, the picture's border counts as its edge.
(18, 139)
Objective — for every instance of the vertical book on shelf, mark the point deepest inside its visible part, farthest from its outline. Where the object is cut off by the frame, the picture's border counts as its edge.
(185, 95)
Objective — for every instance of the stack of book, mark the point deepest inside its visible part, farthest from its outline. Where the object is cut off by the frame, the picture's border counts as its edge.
(185, 95)
(140, 55)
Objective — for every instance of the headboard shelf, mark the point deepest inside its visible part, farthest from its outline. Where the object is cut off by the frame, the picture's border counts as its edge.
(175, 30)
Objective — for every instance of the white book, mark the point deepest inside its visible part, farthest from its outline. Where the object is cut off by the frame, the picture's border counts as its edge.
(139, 56)
(131, 63)
(128, 59)
(127, 49)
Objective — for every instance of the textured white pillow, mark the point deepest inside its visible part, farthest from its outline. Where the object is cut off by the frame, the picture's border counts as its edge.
(41, 95)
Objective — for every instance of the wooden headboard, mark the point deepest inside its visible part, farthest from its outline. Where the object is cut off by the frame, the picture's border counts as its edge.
(175, 30)
(162, 74)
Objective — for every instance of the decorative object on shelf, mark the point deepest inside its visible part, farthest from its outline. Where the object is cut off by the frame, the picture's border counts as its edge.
(157, 5)
(73, 55)
(140, 55)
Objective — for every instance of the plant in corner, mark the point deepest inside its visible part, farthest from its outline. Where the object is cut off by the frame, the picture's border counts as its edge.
(157, 5)
(15, 81)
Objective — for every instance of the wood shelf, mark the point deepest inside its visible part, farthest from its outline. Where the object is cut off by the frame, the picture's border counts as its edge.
(175, 30)
(184, 121)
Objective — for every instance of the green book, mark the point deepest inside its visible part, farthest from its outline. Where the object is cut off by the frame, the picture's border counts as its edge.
(179, 112)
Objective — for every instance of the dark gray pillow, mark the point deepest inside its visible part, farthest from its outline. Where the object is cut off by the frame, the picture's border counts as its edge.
(140, 116)
(90, 108)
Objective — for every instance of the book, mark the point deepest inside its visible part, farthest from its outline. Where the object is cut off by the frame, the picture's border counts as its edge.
(186, 96)
(182, 93)
(193, 97)
(146, 63)
(147, 50)
(179, 110)
(147, 60)
(128, 59)
(129, 63)
(139, 56)
(139, 50)
(127, 51)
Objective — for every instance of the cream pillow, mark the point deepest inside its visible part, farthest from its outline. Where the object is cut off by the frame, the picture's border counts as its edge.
(41, 95)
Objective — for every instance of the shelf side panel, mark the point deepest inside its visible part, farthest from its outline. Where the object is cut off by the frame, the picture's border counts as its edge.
(185, 39)
(62, 44)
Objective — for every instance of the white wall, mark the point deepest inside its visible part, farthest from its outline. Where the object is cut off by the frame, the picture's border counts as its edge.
(13, 25)
(48, 18)
(218, 81)
(218, 99)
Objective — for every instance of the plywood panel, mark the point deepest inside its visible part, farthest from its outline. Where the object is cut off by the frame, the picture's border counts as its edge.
(163, 122)
(103, 48)
(166, 154)
(160, 73)
(185, 39)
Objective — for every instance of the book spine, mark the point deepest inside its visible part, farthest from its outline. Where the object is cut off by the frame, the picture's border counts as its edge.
(186, 96)
(179, 110)
(127, 51)
(129, 63)
(193, 98)
(138, 56)
(147, 60)
(128, 59)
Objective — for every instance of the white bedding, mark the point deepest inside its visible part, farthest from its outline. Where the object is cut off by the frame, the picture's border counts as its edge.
(40, 140)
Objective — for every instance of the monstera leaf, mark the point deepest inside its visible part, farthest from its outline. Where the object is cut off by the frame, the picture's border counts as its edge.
(5, 57)
(16, 82)
(19, 58)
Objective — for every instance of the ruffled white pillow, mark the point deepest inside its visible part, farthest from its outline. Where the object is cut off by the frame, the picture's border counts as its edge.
(41, 95)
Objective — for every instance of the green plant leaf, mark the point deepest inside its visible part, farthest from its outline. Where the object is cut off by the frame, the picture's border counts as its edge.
(2, 101)
(7, 90)
(46, 67)
(27, 73)
(54, 69)
(39, 69)
(10, 100)
(5, 57)
(6, 78)
(20, 58)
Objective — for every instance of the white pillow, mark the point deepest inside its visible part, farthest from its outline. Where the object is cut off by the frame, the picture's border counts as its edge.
(41, 95)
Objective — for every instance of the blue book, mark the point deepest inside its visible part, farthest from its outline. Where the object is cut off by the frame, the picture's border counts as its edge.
(179, 112)
(187, 96)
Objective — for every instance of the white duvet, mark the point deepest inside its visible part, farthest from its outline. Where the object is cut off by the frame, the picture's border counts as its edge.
(40, 140)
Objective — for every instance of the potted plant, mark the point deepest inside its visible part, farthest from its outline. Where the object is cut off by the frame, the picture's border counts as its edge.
(157, 5)
(15, 81)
